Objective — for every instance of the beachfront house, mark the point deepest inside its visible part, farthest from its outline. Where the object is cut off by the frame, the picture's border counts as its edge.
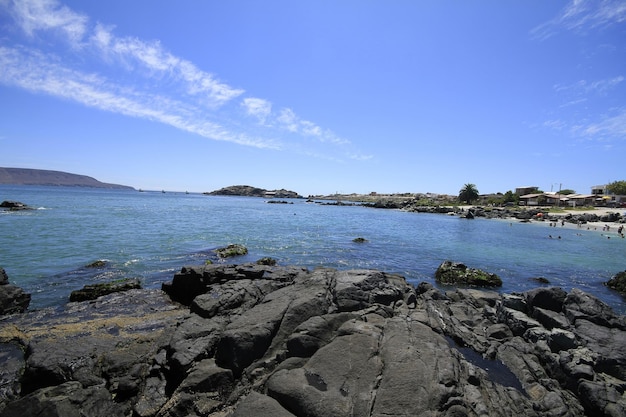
(535, 199)
(544, 199)
(603, 197)
(598, 198)
(555, 199)
(580, 200)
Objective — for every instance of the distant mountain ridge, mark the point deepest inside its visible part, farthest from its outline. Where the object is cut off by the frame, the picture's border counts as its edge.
(28, 176)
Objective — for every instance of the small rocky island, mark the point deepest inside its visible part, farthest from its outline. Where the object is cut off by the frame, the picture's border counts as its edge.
(249, 191)
(259, 340)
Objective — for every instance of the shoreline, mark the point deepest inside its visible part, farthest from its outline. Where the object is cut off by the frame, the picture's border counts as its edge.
(609, 228)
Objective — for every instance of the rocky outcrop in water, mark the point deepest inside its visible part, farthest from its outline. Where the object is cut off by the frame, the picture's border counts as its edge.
(257, 340)
(249, 191)
(14, 206)
(458, 273)
(618, 282)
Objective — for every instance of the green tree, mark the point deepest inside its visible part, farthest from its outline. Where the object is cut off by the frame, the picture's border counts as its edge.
(468, 193)
(511, 197)
(617, 187)
(567, 191)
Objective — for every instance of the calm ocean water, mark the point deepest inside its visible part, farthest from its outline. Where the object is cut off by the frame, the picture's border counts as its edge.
(151, 235)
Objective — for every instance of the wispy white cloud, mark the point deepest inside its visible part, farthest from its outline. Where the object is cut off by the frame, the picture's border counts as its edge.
(573, 102)
(602, 86)
(604, 129)
(196, 101)
(287, 120)
(584, 87)
(36, 15)
(152, 57)
(583, 15)
(40, 73)
(555, 124)
(257, 107)
(609, 127)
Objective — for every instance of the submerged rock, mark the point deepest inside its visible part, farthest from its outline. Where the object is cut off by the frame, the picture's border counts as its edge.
(258, 340)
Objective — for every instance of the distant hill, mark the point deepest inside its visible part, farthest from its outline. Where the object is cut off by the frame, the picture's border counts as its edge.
(27, 176)
(248, 191)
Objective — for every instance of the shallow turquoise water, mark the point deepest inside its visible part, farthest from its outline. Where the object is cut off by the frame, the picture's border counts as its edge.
(151, 235)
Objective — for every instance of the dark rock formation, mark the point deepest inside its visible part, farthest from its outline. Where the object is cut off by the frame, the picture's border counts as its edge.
(279, 202)
(618, 282)
(267, 261)
(458, 273)
(93, 291)
(97, 264)
(231, 250)
(13, 299)
(285, 341)
(248, 191)
(14, 205)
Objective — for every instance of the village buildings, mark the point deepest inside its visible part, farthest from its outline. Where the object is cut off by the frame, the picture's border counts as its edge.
(599, 196)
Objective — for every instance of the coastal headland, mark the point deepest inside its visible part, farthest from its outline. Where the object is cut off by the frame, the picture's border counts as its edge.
(259, 340)
(27, 176)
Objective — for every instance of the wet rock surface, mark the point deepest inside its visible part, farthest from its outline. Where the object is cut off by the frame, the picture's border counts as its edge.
(93, 291)
(258, 340)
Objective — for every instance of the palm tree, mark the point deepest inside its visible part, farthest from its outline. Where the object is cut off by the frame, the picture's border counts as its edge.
(468, 193)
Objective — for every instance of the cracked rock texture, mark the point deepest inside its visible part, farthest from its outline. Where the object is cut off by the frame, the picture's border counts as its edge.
(253, 340)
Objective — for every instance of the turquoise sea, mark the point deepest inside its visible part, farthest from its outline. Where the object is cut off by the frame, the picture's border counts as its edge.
(151, 235)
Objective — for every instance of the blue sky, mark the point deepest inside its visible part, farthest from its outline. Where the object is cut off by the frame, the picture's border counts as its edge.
(317, 96)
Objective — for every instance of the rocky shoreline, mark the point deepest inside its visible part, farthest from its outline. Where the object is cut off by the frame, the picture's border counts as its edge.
(523, 214)
(259, 340)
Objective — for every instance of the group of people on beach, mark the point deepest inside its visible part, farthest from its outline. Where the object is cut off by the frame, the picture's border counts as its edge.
(620, 230)
(605, 228)
(554, 224)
